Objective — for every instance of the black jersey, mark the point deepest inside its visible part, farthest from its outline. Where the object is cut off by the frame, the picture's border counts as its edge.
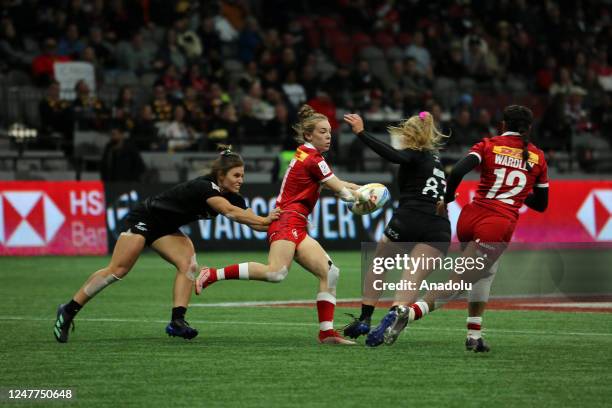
(421, 178)
(186, 202)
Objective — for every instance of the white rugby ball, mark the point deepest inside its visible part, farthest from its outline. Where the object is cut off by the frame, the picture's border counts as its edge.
(378, 195)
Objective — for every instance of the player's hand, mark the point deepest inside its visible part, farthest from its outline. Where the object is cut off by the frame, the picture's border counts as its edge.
(365, 199)
(441, 209)
(355, 122)
(275, 214)
(272, 216)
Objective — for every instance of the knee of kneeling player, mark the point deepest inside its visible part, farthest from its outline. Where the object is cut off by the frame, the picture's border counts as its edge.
(276, 274)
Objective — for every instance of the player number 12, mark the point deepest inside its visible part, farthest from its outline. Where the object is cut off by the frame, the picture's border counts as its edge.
(511, 180)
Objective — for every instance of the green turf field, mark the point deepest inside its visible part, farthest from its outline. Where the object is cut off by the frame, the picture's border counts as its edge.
(120, 356)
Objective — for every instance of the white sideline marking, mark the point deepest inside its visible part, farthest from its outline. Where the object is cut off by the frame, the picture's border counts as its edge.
(571, 305)
(251, 323)
(584, 305)
(265, 303)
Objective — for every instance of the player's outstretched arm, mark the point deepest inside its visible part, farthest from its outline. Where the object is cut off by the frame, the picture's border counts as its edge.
(382, 149)
(463, 167)
(222, 206)
(262, 227)
(347, 193)
(538, 199)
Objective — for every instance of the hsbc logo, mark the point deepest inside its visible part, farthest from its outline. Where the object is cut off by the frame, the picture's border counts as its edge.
(28, 219)
(595, 214)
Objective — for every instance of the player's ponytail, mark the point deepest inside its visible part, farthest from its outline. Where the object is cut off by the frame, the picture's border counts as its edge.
(419, 132)
(518, 119)
(307, 120)
(226, 161)
(525, 138)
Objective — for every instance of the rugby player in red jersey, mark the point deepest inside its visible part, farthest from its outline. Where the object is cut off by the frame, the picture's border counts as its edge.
(308, 172)
(513, 172)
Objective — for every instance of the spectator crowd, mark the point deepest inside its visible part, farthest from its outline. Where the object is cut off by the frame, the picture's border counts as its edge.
(191, 74)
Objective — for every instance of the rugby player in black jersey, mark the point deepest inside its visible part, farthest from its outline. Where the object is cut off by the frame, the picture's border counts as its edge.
(155, 222)
(416, 220)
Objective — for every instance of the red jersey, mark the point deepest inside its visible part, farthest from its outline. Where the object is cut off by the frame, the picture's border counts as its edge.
(302, 182)
(505, 181)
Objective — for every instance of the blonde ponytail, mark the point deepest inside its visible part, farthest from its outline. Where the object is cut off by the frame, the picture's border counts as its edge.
(418, 132)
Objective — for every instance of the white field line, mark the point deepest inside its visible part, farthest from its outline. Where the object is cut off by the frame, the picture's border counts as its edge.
(527, 298)
(267, 303)
(289, 324)
(571, 305)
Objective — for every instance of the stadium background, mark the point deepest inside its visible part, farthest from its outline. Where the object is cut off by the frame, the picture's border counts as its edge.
(177, 77)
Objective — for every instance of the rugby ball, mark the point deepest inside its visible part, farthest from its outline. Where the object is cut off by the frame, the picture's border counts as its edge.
(378, 196)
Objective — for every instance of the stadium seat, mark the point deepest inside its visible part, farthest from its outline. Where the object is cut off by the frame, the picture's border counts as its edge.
(327, 22)
(90, 176)
(126, 78)
(233, 65)
(163, 160)
(66, 175)
(89, 142)
(29, 98)
(372, 52)
(305, 21)
(364, 178)
(147, 80)
(258, 150)
(313, 37)
(259, 177)
(49, 159)
(361, 40)
(394, 53)
(404, 39)
(168, 176)
(384, 40)
(7, 175)
(343, 54)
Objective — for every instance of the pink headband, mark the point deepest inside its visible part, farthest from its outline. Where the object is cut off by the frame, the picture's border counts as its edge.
(423, 115)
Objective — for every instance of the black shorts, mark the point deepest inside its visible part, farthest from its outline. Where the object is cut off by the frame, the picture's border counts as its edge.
(143, 222)
(417, 226)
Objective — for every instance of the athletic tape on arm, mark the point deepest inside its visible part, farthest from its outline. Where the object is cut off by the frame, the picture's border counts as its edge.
(345, 195)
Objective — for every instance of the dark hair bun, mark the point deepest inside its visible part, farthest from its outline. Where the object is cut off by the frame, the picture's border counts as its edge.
(224, 150)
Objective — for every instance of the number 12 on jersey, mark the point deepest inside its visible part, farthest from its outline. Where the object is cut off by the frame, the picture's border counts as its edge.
(515, 179)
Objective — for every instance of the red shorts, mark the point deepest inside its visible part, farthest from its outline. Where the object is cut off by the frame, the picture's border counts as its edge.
(291, 226)
(477, 223)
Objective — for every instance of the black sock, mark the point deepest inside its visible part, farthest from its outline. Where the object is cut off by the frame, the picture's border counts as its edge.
(178, 312)
(366, 312)
(72, 308)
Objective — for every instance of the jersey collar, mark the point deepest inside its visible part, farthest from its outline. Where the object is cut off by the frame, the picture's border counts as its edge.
(511, 134)
(309, 145)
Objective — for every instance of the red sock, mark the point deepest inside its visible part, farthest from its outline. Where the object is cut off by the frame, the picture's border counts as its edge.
(326, 304)
(235, 271)
(474, 327)
(212, 278)
(420, 309)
